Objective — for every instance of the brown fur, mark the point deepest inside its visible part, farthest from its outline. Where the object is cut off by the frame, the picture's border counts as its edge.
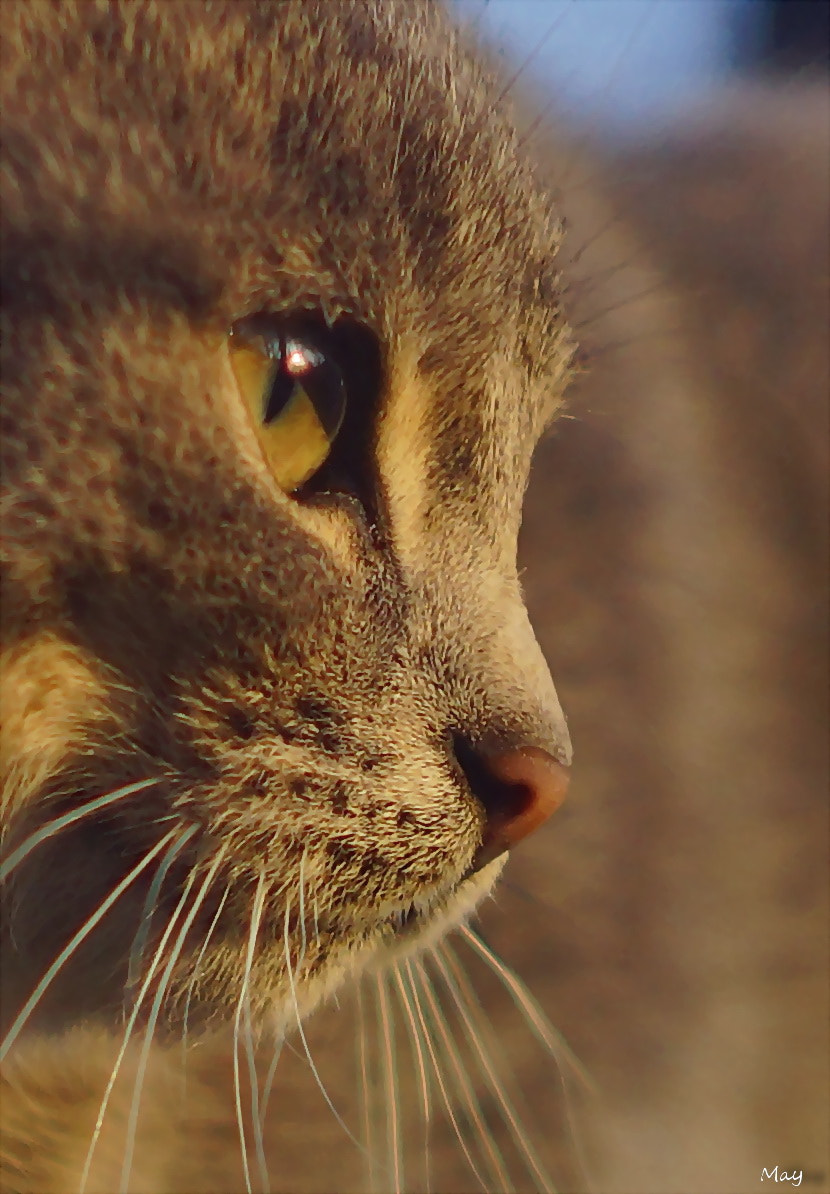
(165, 552)
(252, 650)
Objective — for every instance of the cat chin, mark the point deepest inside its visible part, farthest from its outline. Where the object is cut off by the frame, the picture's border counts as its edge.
(425, 928)
(279, 1001)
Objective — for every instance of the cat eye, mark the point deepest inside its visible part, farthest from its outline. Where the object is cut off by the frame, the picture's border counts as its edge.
(294, 391)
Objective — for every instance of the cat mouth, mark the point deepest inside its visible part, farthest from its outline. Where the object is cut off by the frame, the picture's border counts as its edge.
(408, 921)
(418, 927)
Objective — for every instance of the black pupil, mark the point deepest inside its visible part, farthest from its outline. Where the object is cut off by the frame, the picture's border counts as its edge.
(302, 366)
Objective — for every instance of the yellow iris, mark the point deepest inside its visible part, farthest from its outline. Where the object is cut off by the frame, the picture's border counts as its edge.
(296, 398)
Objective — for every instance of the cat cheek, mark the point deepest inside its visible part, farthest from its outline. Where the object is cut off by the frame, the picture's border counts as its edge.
(50, 701)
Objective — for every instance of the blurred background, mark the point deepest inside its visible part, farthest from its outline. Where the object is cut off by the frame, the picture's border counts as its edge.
(627, 65)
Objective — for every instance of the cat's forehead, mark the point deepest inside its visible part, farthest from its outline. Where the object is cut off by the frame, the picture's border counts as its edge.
(292, 153)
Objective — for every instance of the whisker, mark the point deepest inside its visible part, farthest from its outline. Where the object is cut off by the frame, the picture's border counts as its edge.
(269, 1079)
(302, 1035)
(301, 885)
(53, 827)
(440, 1077)
(517, 74)
(455, 981)
(664, 336)
(316, 916)
(495, 1160)
(195, 972)
(140, 940)
(237, 1094)
(536, 1019)
(244, 1002)
(129, 1144)
(363, 1066)
(83, 932)
(390, 1074)
(587, 283)
(544, 1032)
(646, 292)
(130, 1028)
(418, 1052)
(625, 49)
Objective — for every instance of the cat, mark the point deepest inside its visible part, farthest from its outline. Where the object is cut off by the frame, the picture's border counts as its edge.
(330, 675)
(274, 709)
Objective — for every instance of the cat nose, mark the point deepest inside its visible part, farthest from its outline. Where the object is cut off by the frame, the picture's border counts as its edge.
(519, 789)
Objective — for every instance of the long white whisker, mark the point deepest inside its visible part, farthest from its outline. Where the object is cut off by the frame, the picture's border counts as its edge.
(417, 1049)
(237, 1099)
(141, 1074)
(129, 1143)
(130, 1027)
(544, 1031)
(366, 1110)
(195, 972)
(456, 984)
(269, 1079)
(280, 1040)
(495, 1161)
(301, 885)
(530, 1009)
(53, 827)
(390, 1071)
(244, 1003)
(317, 1078)
(146, 917)
(86, 928)
(439, 1076)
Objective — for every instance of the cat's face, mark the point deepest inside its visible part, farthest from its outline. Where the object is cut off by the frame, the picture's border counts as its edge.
(302, 677)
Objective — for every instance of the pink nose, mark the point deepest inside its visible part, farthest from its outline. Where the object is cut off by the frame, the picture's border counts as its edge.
(523, 788)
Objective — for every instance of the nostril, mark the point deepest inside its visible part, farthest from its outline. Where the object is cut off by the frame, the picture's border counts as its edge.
(518, 790)
(498, 799)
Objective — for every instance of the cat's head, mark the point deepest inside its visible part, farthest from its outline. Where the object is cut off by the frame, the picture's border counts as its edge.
(281, 333)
